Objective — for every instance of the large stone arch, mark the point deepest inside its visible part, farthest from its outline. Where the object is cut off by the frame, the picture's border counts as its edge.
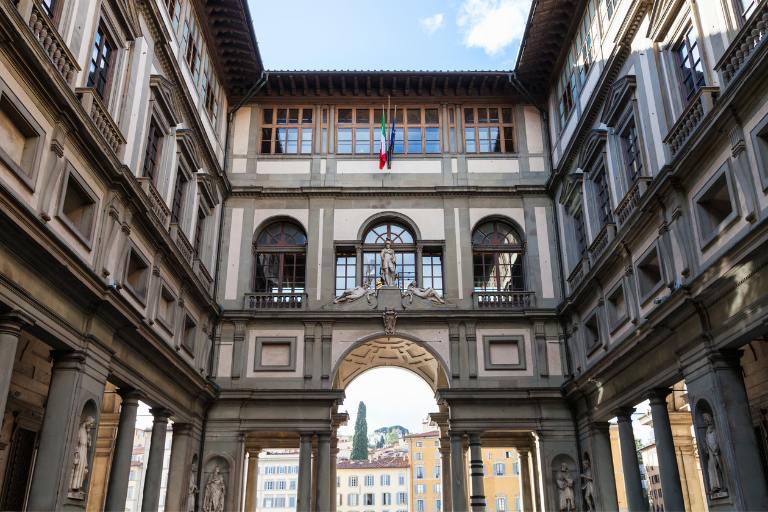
(398, 350)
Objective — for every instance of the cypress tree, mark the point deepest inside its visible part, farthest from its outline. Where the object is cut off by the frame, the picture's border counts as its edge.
(360, 438)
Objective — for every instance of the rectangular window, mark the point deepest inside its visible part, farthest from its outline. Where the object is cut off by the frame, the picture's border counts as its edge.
(402, 497)
(174, 10)
(501, 504)
(489, 130)
(386, 498)
(690, 67)
(369, 498)
(152, 151)
(649, 273)
(602, 197)
(630, 146)
(715, 205)
(353, 481)
(353, 499)
(199, 230)
(432, 270)
(617, 307)
(419, 472)
(78, 207)
(417, 130)
(452, 147)
(579, 232)
(100, 66)
(287, 130)
(346, 271)
(190, 45)
(178, 197)
(420, 489)
(747, 7)
(369, 480)
(188, 335)
(499, 469)
(419, 505)
(385, 480)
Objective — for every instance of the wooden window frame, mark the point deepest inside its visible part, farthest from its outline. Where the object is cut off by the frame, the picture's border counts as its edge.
(687, 93)
(106, 40)
(174, 8)
(476, 125)
(281, 250)
(178, 199)
(402, 127)
(197, 243)
(300, 126)
(631, 147)
(153, 151)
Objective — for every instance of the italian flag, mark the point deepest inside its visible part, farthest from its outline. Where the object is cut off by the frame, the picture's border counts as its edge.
(383, 145)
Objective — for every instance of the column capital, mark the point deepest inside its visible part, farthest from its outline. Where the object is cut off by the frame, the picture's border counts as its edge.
(324, 436)
(624, 413)
(602, 426)
(474, 438)
(160, 414)
(658, 396)
(129, 396)
(14, 321)
(180, 428)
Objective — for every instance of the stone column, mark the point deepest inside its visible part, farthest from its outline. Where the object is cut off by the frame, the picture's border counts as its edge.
(716, 386)
(602, 467)
(154, 474)
(525, 479)
(334, 461)
(11, 325)
(536, 479)
(252, 485)
(184, 444)
(458, 475)
(76, 389)
(631, 467)
(477, 498)
(445, 459)
(323, 497)
(303, 496)
(665, 451)
(120, 469)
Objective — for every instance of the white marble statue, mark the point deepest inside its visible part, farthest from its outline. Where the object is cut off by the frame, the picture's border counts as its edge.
(352, 294)
(588, 486)
(192, 487)
(214, 492)
(80, 456)
(388, 265)
(714, 459)
(567, 501)
(429, 294)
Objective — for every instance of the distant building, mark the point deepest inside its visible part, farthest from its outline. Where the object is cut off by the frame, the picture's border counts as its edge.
(377, 485)
(137, 475)
(501, 467)
(277, 480)
(426, 472)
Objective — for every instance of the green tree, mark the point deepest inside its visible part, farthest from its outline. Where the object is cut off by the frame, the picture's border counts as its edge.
(360, 438)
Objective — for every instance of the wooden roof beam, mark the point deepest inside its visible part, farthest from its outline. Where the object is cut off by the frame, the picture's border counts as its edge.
(292, 81)
(280, 86)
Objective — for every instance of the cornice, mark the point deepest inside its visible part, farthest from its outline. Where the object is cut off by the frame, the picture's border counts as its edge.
(438, 191)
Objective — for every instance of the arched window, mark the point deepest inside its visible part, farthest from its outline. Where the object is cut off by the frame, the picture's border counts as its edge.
(358, 263)
(405, 253)
(280, 251)
(497, 258)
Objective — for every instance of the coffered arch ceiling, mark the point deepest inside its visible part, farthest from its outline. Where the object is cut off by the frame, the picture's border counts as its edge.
(391, 351)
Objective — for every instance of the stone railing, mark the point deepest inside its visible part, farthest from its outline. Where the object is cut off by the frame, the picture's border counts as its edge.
(747, 42)
(98, 113)
(630, 200)
(45, 31)
(701, 104)
(502, 300)
(602, 240)
(185, 248)
(156, 203)
(576, 275)
(202, 273)
(274, 300)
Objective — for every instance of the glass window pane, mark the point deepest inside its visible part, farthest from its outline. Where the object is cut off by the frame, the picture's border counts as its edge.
(292, 140)
(414, 140)
(281, 115)
(469, 137)
(345, 115)
(414, 116)
(506, 115)
(306, 115)
(362, 141)
(377, 116)
(267, 116)
(266, 140)
(344, 141)
(306, 140)
(399, 145)
(482, 115)
(469, 115)
(430, 116)
(493, 115)
(509, 145)
(362, 115)
(495, 140)
(293, 116)
(432, 140)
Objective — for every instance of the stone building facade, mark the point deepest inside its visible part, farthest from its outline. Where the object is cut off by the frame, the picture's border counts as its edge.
(550, 247)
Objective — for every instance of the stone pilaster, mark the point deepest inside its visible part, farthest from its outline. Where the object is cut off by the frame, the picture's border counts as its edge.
(602, 467)
(252, 485)
(180, 471)
(323, 488)
(525, 478)
(11, 325)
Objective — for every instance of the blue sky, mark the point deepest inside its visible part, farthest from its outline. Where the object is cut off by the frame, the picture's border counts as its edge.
(389, 34)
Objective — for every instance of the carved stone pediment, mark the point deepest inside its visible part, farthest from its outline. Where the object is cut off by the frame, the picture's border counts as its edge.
(621, 92)
(594, 144)
(163, 95)
(663, 14)
(572, 187)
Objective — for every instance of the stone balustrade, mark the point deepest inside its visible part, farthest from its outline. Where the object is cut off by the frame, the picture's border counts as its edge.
(602, 240)
(747, 42)
(631, 199)
(576, 275)
(186, 251)
(156, 202)
(50, 40)
(700, 105)
(256, 301)
(101, 117)
(503, 300)
(203, 274)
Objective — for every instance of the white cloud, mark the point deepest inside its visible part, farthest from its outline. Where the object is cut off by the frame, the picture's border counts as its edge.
(432, 24)
(492, 24)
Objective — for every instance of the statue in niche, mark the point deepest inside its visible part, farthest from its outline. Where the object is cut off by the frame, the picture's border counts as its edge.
(429, 294)
(390, 319)
(352, 294)
(388, 265)
(714, 459)
(192, 487)
(567, 501)
(588, 486)
(80, 458)
(214, 492)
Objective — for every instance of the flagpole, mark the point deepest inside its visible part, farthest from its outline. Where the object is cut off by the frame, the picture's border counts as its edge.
(389, 119)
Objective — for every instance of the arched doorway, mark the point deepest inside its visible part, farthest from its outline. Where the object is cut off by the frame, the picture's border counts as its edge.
(405, 460)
